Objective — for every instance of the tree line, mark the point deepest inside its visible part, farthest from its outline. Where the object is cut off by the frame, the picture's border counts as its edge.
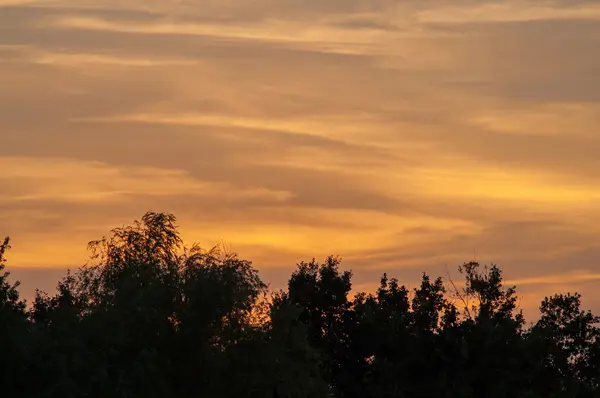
(150, 317)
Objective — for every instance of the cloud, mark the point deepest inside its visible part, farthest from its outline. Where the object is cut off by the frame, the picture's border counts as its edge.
(506, 11)
(566, 278)
(273, 31)
(92, 181)
(400, 135)
(552, 119)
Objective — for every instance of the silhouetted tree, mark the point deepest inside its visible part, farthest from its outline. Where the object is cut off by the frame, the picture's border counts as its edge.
(568, 342)
(321, 292)
(15, 348)
(148, 316)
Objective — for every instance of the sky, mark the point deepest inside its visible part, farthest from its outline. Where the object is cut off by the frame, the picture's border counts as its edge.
(404, 136)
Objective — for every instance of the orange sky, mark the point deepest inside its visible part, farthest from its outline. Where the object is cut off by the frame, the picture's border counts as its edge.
(401, 135)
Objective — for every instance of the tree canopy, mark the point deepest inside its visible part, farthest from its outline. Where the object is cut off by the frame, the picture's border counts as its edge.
(148, 316)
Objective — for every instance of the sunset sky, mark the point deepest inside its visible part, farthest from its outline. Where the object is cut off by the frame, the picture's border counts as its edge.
(401, 135)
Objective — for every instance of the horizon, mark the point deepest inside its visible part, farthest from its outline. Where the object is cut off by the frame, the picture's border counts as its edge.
(452, 278)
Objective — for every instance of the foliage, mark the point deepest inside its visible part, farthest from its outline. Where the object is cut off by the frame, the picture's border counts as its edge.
(148, 316)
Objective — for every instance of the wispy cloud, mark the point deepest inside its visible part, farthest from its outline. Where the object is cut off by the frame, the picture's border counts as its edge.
(400, 135)
(295, 34)
(508, 11)
(569, 278)
(73, 181)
